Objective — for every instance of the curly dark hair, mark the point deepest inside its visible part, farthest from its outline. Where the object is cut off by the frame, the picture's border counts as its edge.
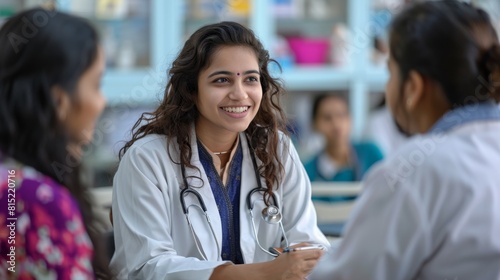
(178, 112)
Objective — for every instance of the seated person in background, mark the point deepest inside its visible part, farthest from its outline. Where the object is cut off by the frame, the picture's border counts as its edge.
(341, 160)
(50, 99)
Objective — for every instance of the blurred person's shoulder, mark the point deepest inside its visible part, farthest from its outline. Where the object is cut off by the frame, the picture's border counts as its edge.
(35, 190)
(368, 149)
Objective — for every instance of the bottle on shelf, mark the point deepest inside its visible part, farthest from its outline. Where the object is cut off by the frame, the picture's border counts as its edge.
(111, 9)
(288, 9)
(126, 56)
(319, 9)
(339, 45)
(110, 46)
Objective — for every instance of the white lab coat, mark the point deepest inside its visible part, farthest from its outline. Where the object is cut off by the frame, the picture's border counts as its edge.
(152, 237)
(432, 211)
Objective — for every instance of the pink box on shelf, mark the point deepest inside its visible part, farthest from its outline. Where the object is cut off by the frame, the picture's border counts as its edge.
(309, 50)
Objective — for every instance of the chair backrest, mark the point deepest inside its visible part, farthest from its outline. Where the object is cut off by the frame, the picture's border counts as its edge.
(339, 211)
(102, 197)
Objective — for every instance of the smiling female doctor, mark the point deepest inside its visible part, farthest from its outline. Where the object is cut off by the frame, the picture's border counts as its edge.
(432, 211)
(215, 144)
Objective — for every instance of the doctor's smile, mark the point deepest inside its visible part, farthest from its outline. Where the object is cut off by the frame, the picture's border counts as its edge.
(236, 112)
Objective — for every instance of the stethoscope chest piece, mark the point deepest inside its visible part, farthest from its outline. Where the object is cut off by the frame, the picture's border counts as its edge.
(271, 214)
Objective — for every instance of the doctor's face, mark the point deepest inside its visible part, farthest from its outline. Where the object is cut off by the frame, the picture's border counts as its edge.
(229, 91)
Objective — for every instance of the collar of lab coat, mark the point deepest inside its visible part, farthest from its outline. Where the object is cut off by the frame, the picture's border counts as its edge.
(201, 228)
(483, 111)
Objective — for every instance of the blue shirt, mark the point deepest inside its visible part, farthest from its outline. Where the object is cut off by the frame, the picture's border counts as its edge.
(228, 201)
(364, 155)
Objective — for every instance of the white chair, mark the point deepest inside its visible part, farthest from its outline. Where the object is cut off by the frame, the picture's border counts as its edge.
(102, 197)
(332, 215)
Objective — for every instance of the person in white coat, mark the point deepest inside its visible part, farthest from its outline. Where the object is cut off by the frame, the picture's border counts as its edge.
(432, 210)
(210, 181)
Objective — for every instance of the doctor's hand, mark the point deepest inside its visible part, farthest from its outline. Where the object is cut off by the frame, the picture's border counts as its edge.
(293, 265)
(297, 264)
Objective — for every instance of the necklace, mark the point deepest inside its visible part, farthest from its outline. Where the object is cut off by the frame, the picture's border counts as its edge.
(217, 153)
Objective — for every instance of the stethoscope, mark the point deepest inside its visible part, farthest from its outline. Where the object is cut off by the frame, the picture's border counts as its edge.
(271, 214)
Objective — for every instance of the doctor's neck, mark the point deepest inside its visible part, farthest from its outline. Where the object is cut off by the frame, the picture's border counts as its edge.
(220, 144)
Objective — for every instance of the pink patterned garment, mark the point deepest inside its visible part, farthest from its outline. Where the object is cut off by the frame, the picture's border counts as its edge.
(42, 235)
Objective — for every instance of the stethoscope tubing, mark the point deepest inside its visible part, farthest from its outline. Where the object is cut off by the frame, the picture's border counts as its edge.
(188, 190)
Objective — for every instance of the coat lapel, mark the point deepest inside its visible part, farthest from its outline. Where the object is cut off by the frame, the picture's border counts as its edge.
(200, 224)
(248, 183)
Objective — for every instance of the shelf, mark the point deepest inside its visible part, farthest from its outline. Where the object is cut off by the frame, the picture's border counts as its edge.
(316, 78)
(119, 19)
(133, 87)
(307, 27)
